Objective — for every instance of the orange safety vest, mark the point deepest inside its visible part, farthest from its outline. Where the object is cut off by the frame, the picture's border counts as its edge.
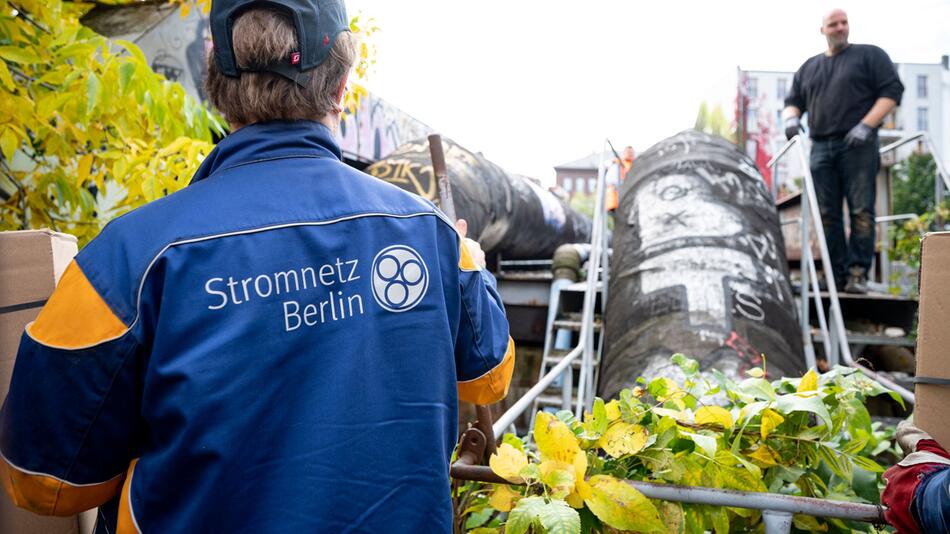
(612, 198)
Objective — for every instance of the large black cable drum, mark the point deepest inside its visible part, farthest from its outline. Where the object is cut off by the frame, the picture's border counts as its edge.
(506, 214)
(698, 267)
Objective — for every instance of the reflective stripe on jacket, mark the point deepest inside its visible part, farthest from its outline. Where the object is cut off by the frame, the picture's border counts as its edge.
(278, 347)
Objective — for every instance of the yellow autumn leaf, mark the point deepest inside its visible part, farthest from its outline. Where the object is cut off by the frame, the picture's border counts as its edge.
(714, 415)
(8, 143)
(574, 500)
(764, 456)
(613, 410)
(558, 477)
(621, 506)
(809, 382)
(555, 441)
(770, 420)
(507, 462)
(5, 76)
(82, 169)
(503, 499)
(623, 439)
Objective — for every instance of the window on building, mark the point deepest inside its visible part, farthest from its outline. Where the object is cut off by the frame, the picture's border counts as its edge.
(752, 88)
(922, 123)
(591, 184)
(921, 86)
(781, 88)
(567, 183)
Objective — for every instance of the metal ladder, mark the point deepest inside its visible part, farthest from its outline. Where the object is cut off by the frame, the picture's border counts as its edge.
(565, 315)
(833, 334)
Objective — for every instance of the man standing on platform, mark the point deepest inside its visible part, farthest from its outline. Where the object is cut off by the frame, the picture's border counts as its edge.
(847, 91)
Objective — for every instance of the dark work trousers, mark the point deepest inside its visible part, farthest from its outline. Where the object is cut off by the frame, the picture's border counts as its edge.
(847, 173)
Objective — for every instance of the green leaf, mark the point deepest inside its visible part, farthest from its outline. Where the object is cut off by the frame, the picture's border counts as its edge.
(523, 515)
(838, 463)
(558, 518)
(795, 403)
(719, 519)
(93, 91)
(596, 423)
(707, 443)
(133, 49)
(621, 506)
(867, 464)
(758, 388)
(126, 71)
(689, 366)
(479, 518)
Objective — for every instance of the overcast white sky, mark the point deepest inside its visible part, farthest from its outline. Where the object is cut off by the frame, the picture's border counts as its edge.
(534, 83)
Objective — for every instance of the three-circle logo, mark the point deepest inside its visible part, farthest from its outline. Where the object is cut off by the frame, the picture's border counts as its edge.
(400, 278)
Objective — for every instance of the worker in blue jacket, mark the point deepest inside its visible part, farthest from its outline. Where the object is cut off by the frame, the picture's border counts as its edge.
(279, 347)
(917, 491)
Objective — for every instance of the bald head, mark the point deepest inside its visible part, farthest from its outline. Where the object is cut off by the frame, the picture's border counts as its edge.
(834, 26)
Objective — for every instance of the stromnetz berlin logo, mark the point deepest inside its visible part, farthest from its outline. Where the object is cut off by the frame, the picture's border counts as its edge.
(400, 278)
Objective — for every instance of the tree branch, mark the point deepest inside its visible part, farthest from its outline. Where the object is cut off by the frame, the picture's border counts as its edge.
(22, 14)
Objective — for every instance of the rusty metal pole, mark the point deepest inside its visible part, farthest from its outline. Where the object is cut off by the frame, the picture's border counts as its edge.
(441, 176)
(439, 170)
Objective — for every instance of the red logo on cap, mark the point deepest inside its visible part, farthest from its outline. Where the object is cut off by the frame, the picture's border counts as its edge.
(295, 58)
(326, 39)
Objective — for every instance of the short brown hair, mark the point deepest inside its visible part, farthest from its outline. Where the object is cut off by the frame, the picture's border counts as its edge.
(263, 36)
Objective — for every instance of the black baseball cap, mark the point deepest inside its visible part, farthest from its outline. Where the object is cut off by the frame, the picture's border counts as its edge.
(317, 22)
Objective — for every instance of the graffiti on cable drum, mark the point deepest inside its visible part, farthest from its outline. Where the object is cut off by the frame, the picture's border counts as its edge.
(506, 213)
(698, 267)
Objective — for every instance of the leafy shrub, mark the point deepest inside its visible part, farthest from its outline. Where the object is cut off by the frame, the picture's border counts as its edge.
(810, 436)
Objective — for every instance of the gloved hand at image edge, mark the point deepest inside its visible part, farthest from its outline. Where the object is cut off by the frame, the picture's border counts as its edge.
(924, 459)
(793, 127)
(859, 135)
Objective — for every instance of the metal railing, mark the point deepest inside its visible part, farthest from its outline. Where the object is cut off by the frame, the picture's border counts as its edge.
(834, 336)
(597, 267)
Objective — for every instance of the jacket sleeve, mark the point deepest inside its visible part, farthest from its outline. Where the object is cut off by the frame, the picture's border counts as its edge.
(68, 424)
(484, 352)
(932, 502)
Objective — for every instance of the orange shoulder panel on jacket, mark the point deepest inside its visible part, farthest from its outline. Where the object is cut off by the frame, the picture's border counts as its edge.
(75, 316)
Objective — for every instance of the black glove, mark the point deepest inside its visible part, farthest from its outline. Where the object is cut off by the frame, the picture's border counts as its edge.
(793, 127)
(859, 135)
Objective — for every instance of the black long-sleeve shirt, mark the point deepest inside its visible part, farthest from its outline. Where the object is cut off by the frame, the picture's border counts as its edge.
(837, 91)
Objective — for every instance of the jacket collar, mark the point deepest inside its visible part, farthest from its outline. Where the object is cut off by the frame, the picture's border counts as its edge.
(270, 140)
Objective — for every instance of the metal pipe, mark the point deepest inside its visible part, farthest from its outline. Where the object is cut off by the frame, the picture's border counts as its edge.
(777, 522)
(785, 148)
(819, 307)
(896, 217)
(869, 513)
(525, 401)
(836, 315)
(901, 142)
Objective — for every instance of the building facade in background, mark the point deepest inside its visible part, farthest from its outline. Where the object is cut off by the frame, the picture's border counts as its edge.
(760, 99)
(579, 176)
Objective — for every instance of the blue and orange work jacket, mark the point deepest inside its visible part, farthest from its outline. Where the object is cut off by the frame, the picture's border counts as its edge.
(279, 347)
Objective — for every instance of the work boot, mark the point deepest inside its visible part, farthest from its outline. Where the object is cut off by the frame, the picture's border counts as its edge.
(857, 281)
